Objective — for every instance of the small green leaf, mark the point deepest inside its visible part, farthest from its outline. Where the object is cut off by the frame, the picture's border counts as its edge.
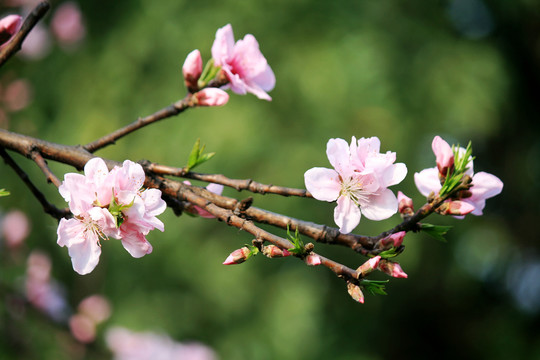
(209, 73)
(436, 231)
(299, 247)
(196, 157)
(4, 192)
(390, 253)
(375, 287)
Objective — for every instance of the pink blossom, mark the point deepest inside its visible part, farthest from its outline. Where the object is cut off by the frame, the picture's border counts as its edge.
(484, 186)
(37, 44)
(192, 70)
(392, 268)
(211, 97)
(405, 204)
(67, 24)
(108, 204)
(9, 25)
(358, 181)
(17, 95)
(128, 345)
(243, 64)
(15, 227)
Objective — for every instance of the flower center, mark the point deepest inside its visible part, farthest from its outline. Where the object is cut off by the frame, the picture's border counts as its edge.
(353, 188)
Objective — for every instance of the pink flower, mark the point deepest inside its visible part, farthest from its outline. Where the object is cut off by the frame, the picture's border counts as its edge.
(358, 181)
(15, 227)
(192, 70)
(405, 204)
(108, 204)
(9, 25)
(484, 186)
(211, 97)
(243, 64)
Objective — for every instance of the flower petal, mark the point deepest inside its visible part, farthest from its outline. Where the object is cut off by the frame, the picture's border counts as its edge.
(223, 45)
(346, 215)
(380, 206)
(427, 181)
(322, 183)
(339, 155)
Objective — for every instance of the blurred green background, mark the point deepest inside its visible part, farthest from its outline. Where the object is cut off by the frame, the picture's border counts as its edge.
(402, 71)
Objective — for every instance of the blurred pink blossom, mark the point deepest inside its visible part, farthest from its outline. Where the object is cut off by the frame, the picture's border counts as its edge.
(91, 311)
(67, 24)
(128, 345)
(15, 228)
(43, 292)
(37, 44)
(243, 64)
(17, 95)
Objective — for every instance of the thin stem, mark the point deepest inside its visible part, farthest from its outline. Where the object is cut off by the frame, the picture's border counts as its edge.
(47, 207)
(238, 184)
(42, 163)
(169, 111)
(31, 20)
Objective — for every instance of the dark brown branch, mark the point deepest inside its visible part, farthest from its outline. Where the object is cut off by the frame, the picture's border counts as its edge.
(169, 111)
(47, 207)
(15, 43)
(246, 184)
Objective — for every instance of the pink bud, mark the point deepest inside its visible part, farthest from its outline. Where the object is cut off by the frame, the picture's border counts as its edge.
(394, 239)
(456, 208)
(272, 251)
(192, 70)
(368, 266)
(211, 97)
(392, 268)
(444, 155)
(405, 204)
(9, 25)
(313, 260)
(355, 292)
(238, 256)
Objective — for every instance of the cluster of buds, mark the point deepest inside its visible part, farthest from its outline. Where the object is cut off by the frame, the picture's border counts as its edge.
(391, 268)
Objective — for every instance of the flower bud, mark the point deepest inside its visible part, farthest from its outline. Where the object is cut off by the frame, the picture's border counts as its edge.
(394, 239)
(456, 208)
(211, 97)
(272, 251)
(9, 25)
(392, 268)
(368, 267)
(192, 70)
(405, 204)
(355, 292)
(238, 256)
(444, 155)
(313, 260)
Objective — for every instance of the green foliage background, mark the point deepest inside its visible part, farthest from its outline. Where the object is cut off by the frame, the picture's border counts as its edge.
(401, 71)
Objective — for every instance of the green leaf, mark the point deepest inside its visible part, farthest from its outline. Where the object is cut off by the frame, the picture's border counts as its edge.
(375, 287)
(209, 73)
(196, 157)
(436, 231)
(299, 247)
(4, 192)
(461, 162)
(390, 253)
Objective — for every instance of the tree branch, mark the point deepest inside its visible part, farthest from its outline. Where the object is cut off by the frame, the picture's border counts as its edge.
(31, 20)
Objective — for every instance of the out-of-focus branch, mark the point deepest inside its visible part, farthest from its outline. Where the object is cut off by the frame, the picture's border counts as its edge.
(42, 163)
(47, 207)
(31, 20)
